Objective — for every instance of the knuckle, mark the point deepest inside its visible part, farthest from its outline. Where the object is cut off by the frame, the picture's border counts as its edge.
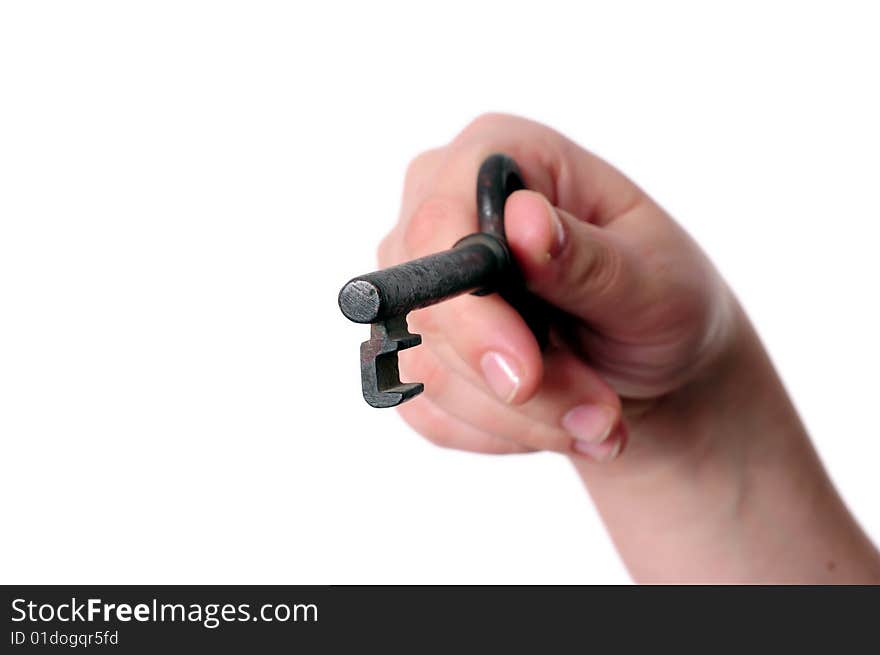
(690, 317)
(417, 365)
(423, 321)
(385, 249)
(420, 167)
(436, 380)
(539, 436)
(441, 438)
(600, 270)
(430, 424)
(420, 229)
(483, 123)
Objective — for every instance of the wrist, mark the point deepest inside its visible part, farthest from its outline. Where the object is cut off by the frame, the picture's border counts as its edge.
(722, 481)
(688, 476)
(731, 387)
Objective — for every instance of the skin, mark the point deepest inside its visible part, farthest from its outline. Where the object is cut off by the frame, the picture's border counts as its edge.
(655, 384)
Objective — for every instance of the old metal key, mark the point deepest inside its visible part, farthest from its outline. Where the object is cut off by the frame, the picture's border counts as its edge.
(480, 263)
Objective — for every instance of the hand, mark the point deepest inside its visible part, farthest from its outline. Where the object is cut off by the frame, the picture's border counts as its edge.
(644, 311)
(650, 348)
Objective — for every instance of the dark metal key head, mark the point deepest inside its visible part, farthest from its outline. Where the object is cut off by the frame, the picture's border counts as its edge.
(479, 263)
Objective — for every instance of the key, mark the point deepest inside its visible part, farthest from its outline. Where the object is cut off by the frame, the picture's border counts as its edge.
(480, 263)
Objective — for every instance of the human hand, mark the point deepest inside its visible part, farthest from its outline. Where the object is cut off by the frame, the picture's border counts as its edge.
(650, 347)
(643, 312)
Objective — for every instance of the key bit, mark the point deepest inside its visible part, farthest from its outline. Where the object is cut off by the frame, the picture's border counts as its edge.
(380, 377)
(480, 263)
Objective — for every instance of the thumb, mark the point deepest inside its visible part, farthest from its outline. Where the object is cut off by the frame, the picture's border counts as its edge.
(585, 270)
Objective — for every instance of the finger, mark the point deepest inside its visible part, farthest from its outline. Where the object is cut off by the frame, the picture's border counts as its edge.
(587, 270)
(439, 187)
(446, 431)
(420, 173)
(607, 450)
(574, 412)
(570, 176)
(476, 405)
(485, 333)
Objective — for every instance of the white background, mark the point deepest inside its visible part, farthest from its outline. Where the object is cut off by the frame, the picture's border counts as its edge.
(185, 186)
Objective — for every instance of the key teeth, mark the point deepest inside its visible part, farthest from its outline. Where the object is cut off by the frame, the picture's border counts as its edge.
(380, 376)
(394, 396)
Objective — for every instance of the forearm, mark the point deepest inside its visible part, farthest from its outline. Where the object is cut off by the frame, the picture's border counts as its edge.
(721, 484)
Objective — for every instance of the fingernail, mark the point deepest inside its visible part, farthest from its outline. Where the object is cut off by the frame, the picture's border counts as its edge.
(558, 231)
(601, 452)
(590, 423)
(500, 375)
